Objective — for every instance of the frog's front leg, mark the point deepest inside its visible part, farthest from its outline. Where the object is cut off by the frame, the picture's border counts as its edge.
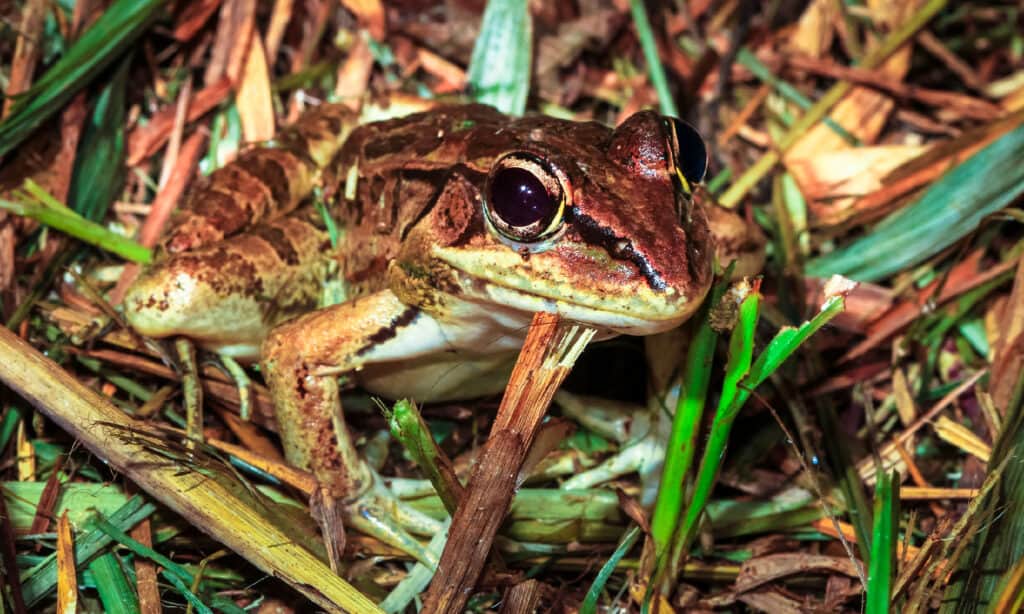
(302, 359)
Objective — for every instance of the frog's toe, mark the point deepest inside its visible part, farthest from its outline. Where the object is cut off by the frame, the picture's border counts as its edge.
(376, 512)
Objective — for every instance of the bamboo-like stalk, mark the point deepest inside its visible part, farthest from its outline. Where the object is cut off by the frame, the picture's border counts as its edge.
(206, 503)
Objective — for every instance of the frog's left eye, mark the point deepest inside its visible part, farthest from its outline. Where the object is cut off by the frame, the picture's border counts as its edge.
(524, 199)
(689, 154)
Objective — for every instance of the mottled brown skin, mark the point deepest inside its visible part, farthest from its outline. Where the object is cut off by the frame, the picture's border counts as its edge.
(262, 184)
(438, 302)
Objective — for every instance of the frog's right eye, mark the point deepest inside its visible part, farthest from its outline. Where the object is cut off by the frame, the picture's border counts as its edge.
(524, 200)
(688, 151)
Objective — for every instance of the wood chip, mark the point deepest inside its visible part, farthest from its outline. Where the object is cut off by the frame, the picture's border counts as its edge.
(163, 205)
(67, 576)
(370, 14)
(146, 140)
(145, 572)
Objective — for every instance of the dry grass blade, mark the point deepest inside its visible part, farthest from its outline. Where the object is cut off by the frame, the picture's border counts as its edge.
(962, 437)
(67, 577)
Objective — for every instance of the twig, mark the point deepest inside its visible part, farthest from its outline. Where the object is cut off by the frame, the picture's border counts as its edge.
(547, 356)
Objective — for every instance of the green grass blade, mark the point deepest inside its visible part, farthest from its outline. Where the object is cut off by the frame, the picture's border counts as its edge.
(950, 209)
(8, 424)
(741, 379)
(189, 596)
(115, 591)
(684, 437)
(115, 31)
(1009, 595)
(41, 206)
(655, 69)
(499, 69)
(790, 93)
(41, 580)
(590, 601)
(741, 352)
(99, 164)
(786, 341)
(841, 464)
(120, 536)
(883, 543)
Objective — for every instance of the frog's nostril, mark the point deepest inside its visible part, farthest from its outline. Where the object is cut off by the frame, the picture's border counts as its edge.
(620, 249)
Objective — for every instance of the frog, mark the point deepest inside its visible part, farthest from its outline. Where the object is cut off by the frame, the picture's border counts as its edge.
(451, 229)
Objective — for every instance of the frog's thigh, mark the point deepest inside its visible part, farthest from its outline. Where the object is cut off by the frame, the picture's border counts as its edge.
(301, 359)
(440, 377)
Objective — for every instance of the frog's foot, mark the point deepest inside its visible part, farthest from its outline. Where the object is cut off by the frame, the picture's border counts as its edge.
(377, 512)
(627, 424)
(633, 457)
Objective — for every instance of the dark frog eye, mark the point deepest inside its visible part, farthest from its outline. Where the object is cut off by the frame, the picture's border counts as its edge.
(689, 154)
(524, 198)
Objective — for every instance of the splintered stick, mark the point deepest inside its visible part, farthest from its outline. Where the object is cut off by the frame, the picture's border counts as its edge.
(550, 350)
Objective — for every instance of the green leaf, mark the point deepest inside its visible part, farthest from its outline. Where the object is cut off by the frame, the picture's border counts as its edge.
(80, 500)
(409, 428)
(115, 31)
(1009, 595)
(499, 70)
(685, 424)
(99, 165)
(741, 351)
(952, 208)
(787, 340)
(39, 205)
(41, 580)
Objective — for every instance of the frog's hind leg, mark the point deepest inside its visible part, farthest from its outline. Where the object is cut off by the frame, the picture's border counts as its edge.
(301, 361)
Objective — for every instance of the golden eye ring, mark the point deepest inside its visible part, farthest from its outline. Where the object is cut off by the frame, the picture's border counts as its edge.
(524, 198)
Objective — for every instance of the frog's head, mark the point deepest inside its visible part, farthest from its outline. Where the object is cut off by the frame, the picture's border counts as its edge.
(596, 224)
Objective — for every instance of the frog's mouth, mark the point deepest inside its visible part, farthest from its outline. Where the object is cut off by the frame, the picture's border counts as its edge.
(498, 277)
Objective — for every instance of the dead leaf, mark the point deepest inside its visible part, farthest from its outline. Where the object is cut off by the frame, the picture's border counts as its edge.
(814, 31)
(370, 15)
(255, 100)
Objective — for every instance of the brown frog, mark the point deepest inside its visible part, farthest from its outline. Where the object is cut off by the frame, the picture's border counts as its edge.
(454, 227)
